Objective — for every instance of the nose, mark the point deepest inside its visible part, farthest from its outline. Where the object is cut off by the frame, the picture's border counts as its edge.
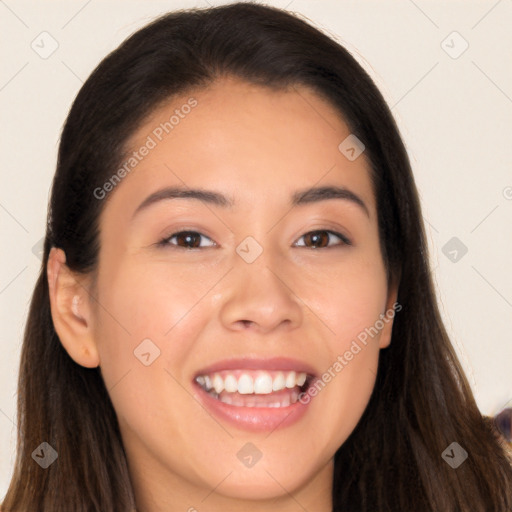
(260, 296)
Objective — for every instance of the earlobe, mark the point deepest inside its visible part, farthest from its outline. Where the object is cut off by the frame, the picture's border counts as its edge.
(392, 307)
(71, 312)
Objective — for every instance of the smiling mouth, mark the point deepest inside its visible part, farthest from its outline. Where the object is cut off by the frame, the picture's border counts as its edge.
(255, 388)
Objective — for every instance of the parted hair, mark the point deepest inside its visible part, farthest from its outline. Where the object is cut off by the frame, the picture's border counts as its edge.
(422, 401)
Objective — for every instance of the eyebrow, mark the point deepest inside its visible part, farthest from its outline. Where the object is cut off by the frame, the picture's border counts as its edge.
(300, 197)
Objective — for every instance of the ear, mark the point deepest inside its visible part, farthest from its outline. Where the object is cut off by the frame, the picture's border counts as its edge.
(71, 311)
(392, 307)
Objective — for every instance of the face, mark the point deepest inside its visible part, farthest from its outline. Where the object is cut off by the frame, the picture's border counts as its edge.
(257, 295)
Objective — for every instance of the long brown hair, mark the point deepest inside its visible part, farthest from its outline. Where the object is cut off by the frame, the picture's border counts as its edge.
(421, 402)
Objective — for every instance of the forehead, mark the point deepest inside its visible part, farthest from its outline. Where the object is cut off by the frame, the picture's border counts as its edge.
(253, 143)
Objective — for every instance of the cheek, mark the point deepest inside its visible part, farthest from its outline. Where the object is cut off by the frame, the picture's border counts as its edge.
(348, 300)
(146, 310)
(146, 329)
(350, 305)
(346, 386)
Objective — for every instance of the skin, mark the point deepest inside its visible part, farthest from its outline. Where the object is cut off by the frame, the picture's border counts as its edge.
(246, 142)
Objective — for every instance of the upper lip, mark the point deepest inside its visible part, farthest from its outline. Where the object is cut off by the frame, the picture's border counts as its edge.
(258, 363)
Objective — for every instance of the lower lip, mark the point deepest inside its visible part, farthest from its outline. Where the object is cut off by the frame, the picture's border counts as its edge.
(254, 419)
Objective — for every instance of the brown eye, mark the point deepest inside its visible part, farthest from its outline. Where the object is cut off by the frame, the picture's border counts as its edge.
(185, 240)
(321, 238)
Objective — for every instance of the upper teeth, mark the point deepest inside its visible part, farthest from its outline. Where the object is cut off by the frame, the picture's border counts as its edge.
(260, 382)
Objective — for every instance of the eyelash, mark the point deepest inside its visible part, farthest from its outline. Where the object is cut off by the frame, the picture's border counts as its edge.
(165, 241)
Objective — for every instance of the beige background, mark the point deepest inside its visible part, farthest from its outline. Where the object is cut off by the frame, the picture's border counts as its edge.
(454, 110)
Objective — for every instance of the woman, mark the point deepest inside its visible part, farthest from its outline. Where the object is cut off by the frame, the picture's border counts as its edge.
(235, 309)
